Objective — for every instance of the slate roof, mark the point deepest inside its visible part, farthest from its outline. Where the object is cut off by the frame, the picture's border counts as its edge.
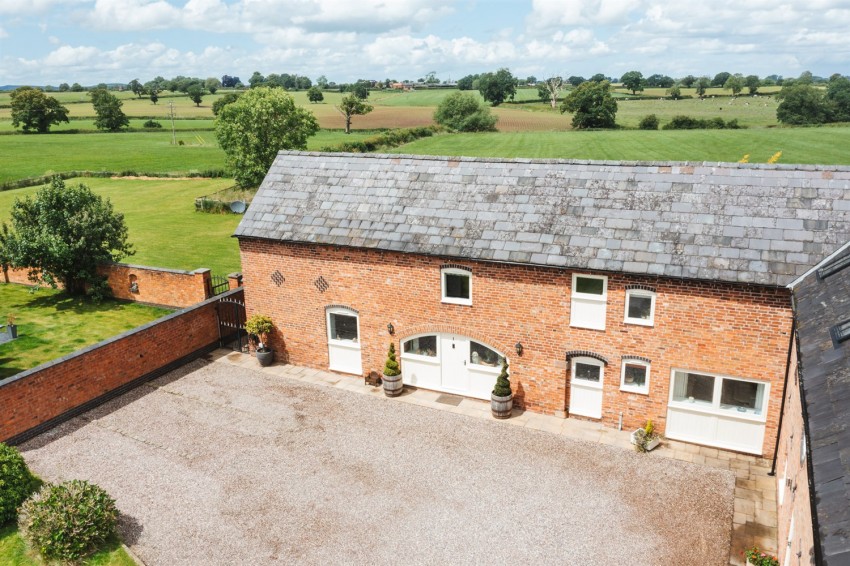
(764, 224)
(825, 378)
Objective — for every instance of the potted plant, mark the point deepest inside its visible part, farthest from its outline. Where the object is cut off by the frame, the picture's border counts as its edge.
(646, 439)
(755, 557)
(11, 328)
(502, 399)
(259, 327)
(393, 385)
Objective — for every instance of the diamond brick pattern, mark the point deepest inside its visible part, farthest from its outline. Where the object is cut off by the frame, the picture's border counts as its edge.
(748, 223)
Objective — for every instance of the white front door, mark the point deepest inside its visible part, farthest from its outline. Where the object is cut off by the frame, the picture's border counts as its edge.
(586, 382)
(451, 363)
(344, 341)
(455, 351)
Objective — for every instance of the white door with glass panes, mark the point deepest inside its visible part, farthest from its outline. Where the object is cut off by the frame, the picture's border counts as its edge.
(450, 363)
(717, 410)
(344, 341)
(586, 379)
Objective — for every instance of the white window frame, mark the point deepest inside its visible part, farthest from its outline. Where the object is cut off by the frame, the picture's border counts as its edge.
(589, 299)
(590, 362)
(714, 408)
(642, 389)
(455, 300)
(644, 294)
(435, 359)
(347, 312)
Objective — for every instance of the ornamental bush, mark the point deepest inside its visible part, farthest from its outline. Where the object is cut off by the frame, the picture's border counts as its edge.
(649, 122)
(16, 482)
(503, 385)
(391, 368)
(151, 124)
(68, 521)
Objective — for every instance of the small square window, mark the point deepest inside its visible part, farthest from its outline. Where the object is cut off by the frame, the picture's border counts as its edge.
(640, 307)
(635, 376)
(589, 303)
(587, 372)
(457, 286)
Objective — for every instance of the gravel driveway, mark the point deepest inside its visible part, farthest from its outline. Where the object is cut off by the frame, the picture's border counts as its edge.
(215, 464)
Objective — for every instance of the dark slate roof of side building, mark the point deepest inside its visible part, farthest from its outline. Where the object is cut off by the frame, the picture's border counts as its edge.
(821, 303)
(764, 224)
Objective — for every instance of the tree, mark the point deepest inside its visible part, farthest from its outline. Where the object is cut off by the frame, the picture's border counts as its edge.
(497, 87)
(136, 87)
(256, 80)
(838, 98)
(659, 81)
(675, 92)
(5, 251)
(108, 109)
(361, 90)
(212, 84)
(735, 83)
(465, 83)
(154, 96)
(229, 82)
(575, 80)
(801, 104)
(805, 78)
(531, 80)
(702, 85)
(688, 81)
(64, 87)
(391, 368)
(314, 94)
(752, 83)
(196, 93)
(61, 235)
(322, 81)
(550, 89)
(34, 110)
(633, 81)
(464, 112)
(720, 78)
(303, 83)
(255, 127)
(598, 78)
(592, 106)
(224, 101)
(76, 87)
(350, 106)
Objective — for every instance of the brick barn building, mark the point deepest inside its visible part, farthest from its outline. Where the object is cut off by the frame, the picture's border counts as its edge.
(618, 292)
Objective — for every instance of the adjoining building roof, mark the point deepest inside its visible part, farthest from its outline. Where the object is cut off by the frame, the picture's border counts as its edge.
(822, 304)
(764, 224)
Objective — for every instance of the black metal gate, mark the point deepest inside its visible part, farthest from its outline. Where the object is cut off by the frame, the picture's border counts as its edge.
(231, 324)
(219, 285)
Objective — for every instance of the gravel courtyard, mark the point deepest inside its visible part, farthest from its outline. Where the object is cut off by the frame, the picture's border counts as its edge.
(216, 464)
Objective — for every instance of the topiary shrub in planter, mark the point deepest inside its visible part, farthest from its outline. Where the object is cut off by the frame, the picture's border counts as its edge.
(393, 385)
(261, 326)
(502, 399)
(68, 521)
(16, 482)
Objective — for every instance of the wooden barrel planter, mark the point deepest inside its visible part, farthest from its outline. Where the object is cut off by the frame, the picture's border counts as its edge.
(393, 385)
(501, 406)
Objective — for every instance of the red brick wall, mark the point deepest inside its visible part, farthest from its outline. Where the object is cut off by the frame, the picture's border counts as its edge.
(735, 330)
(156, 285)
(38, 395)
(792, 481)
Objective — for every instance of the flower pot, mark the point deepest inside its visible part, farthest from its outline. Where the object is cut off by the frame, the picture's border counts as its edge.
(652, 444)
(393, 385)
(265, 357)
(501, 406)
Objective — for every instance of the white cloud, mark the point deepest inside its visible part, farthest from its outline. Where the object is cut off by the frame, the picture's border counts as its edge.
(35, 7)
(123, 15)
(3, 33)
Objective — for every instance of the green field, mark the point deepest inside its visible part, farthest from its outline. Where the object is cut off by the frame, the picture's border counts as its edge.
(52, 324)
(826, 145)
(163, 225)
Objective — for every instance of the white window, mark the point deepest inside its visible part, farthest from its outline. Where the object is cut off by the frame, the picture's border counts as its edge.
(589, 301)
(587, 371)
(634, 377)
(481, 355)
(456, 286)
(421, 346)
(720, 394)
(640, 307)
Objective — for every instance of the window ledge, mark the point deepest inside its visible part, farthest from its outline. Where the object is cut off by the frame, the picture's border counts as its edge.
(639, 322)
(464, 302)
(345, 344)
(692, 407)
(640, 391)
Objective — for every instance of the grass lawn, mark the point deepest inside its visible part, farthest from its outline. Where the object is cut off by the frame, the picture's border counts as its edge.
(52, 324)
(14, 552)
(32, 155)
(86, 125)
(826, 145)
(164, 227)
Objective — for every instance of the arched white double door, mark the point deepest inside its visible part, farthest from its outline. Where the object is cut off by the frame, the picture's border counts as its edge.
(451, 363)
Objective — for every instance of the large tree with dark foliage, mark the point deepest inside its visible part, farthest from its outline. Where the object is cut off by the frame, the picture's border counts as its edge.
(35, 111)
(592, 105)
(497, 87)
(61, 234)
(107, 107)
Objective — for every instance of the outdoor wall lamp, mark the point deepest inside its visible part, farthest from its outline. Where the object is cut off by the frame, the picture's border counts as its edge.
(518, 349)
(391, 329)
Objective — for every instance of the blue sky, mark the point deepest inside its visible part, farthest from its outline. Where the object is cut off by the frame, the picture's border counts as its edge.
(91, 41)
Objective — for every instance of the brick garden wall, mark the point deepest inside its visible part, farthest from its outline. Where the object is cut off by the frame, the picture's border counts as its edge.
(730, 329)
(155, 285)
(38, 398)
(792, 480)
